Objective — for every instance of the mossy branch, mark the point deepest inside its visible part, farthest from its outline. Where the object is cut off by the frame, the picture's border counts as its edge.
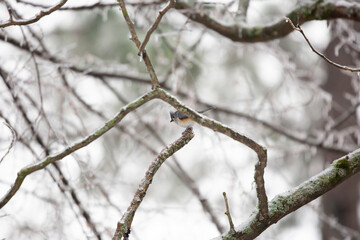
(319, 10)
(286, 203)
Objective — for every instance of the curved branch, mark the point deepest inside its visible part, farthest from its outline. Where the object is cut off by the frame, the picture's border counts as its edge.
(288, 202)
(314, 11)
(23, 173)
(102, 74)
(221, 128)
(124, 225)
(36, 18)
(299, 29)
(108, 74)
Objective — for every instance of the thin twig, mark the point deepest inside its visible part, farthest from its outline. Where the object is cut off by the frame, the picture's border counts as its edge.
(37, 73)
(342, 118)
(76, 68)
(46, 149)
(94, 5)
(124, 225)
(135, 39)
(12, 22)
(227, 213)
(83, 211)
(13, 140)
(171, 4)
(23, 173)
(298, 28)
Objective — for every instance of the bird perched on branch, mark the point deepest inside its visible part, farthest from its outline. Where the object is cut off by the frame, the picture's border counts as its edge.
(182, 120)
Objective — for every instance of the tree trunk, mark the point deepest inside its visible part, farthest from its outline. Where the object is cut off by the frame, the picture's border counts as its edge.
(341, 202)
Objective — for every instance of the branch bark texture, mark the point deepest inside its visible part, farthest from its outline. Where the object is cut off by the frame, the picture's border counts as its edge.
(286, 203)
(36, 18)
(319, 10)
(123, 227)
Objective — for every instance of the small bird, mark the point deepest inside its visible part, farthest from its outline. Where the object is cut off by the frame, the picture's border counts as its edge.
(182, 120)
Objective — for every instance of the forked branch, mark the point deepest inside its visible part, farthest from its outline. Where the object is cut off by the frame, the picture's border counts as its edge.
(41, 14)
(171, 4)
(135, 39)
(286, 203)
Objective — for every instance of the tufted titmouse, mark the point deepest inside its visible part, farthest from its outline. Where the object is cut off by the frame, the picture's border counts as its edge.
(182, 120)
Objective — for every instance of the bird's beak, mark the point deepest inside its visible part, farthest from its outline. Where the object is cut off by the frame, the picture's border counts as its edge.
(171, 120)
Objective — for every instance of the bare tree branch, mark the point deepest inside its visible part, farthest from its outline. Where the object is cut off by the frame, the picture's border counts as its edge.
(124, 225)
(95, 5)
(298, 28)
(54, 59)
(66, 187)
(318, 10)
(36, 18)
(260, 185)
(23, 173)
(227, 213)
(13, 140)
(286, 203)
(134, 38)
(171, 4)
(219, 127)
(103, 74)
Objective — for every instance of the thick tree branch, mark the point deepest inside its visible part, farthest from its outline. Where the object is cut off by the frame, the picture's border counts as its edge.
(319, 10)
(108, 74)
(286, 203)
(23, 173)
(36, 18)
(124, 225)
(219, 127)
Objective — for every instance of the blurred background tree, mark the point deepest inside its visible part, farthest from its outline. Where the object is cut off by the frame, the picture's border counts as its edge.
(66, 74)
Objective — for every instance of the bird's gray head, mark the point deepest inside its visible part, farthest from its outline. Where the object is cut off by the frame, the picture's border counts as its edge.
(172, 116)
